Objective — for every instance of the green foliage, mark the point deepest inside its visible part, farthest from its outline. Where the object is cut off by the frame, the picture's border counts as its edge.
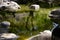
(41, 20)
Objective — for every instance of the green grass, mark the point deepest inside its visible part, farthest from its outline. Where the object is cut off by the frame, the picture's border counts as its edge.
(41, 20)
(24, 8)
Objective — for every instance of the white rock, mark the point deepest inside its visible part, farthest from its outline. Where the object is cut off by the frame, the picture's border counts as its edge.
(10, 6)
(5, 23)
(45, 35)
(9, 35)
(13, 6)
(47, 31)
(35, 7)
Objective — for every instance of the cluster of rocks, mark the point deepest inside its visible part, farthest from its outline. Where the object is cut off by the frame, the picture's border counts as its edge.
(45, 35)
(13, 6)
(4, 34)
(4, 26)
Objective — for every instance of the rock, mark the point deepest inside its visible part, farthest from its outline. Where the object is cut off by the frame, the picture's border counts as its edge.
(9, 6)
(13, 6)
(9, 35)
(55, 14)
(35, 7)
(5, 24)
(45, 35)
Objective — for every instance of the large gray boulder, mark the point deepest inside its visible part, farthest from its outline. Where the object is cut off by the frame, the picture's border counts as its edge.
(9, 6)
(13, 6)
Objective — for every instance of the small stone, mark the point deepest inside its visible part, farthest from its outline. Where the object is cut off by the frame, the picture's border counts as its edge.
(35, 7)
(5, 23)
